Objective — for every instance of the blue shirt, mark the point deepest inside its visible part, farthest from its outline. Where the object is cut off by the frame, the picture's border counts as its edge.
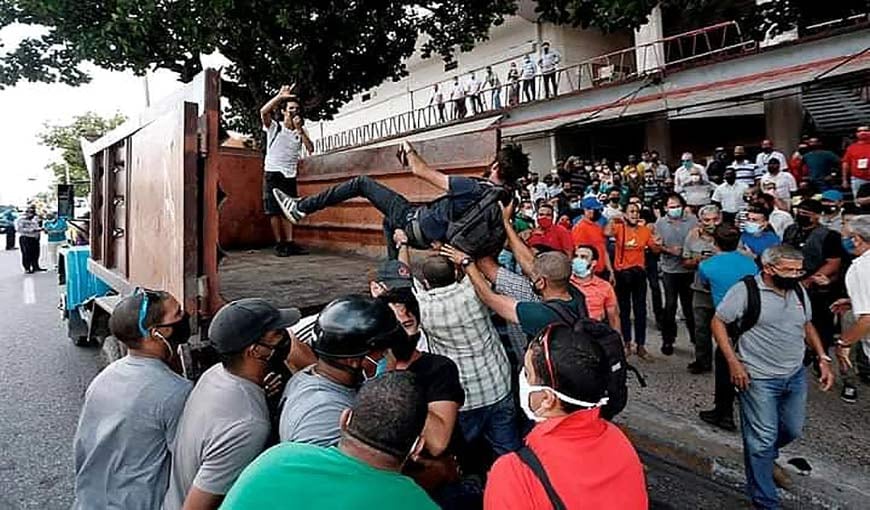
(757, 244)
(721, 271)
(820, 163)
(56, 229)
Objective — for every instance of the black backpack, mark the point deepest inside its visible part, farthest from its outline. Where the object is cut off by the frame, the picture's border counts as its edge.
(753, 309)
(479, 230)
(610, 342)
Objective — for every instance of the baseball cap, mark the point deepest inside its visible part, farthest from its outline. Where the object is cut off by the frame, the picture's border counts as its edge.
(241, 323)
(591, 203)
(811, 205)
(833, 195)
(394, 274)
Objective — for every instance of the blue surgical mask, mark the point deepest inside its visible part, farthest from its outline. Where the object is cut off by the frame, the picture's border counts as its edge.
(687, 164)
(848, 244)
(751, 228)
(381, 369)
(580, 267)
(676, 212)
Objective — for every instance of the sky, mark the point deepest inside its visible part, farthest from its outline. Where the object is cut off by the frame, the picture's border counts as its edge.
(26, 107)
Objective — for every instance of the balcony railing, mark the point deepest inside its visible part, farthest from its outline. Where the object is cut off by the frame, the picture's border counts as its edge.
(636, 62)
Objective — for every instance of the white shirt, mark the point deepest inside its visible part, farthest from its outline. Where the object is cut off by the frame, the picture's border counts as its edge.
(437, 97)
(762, 159)
(730, 196)
(458, 91)
(858, 289)
(283, 150)
(780, 220)
(785, 184)
(537, 191)
(529, 70)
(549, 61)
(473, 86)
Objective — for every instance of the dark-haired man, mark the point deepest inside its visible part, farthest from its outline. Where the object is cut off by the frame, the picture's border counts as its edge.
(225, 423)
(379, 434)
(549, 233)
(128, 422)
(588, 461)
(426, 224)
(285, 140)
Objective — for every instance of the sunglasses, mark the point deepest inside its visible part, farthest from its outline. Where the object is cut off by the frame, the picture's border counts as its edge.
(148, 296)
(543, 339)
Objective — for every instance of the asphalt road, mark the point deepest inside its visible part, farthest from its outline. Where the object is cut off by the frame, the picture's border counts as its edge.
(43, 377)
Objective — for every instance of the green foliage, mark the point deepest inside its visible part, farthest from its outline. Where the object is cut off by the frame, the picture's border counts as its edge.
(66, 140)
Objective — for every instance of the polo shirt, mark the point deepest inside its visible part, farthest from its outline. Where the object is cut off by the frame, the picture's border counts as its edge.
(589, 461)
(631, 242)
(591, 233)
(599, 295)
(857, 156)
(556, 237)
(757, 243)
(292, 476)
(730, 196)
(721, 271)
(774, 348)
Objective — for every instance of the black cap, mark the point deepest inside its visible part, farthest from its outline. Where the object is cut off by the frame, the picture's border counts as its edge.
(241, 323)
(811, 205)
(394, 274)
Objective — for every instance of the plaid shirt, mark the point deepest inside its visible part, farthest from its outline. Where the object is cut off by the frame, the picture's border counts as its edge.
(459, 327)
(520, 288)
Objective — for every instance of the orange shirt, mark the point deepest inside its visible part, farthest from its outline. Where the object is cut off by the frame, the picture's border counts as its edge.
(630, 245)
(599, 295)
(591, 233)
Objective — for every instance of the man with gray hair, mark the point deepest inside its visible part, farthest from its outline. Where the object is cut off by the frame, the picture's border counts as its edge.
(699, 246)
(772, 316)
(856, 240)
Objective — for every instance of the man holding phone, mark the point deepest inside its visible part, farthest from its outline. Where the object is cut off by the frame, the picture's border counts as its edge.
(284, 142)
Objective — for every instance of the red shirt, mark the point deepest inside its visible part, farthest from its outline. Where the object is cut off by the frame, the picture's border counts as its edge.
(556, 237)
(857, 156)
(591, 233)
(589, 461)
(797, 167)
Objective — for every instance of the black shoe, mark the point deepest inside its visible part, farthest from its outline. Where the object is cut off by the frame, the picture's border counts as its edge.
(281, 250)
(724, 421)
(40, 270)
(668, 349)
(295, 249)
(696, 368)
(28, 271)
(849, 394)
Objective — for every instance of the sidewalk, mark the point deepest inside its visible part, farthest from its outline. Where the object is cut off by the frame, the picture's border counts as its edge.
(662, 419)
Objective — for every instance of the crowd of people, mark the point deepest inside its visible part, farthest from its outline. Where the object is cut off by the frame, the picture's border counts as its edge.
(488, 380)
(535, 76)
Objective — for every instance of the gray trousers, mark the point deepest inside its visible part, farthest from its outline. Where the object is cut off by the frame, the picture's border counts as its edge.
(703, 310)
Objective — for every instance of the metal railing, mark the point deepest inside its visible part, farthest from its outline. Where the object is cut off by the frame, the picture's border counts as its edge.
(636, 62)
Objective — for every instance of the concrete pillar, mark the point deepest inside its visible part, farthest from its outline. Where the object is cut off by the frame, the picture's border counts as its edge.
(784, 118)
(648, 56)
(658, 137)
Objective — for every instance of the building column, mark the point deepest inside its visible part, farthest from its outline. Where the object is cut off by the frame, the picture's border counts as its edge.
(650, 56)
(658, 137)
(784, 118)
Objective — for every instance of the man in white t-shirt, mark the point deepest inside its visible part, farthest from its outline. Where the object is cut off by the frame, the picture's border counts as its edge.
(856, 239)
(285, 140)
(548, 62)
(767, 153)
(473, 89)
(729, 196)
(784, 181)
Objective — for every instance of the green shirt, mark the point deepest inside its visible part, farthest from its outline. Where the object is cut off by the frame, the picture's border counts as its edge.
(535, 316)
(294, 475)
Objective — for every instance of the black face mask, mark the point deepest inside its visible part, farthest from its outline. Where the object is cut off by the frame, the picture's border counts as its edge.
(803, 221)
(279, 355)
(730, 179)
(596, 215)
(832, 209)
(180, 331)
(784, 283)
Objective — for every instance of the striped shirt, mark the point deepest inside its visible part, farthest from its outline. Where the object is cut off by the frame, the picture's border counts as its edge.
(520, 288)
(745, 172)
(459, 327)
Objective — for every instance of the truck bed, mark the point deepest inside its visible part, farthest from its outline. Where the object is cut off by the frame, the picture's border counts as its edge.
(307, 282)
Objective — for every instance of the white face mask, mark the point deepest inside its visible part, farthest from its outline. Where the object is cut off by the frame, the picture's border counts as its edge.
(527, 389)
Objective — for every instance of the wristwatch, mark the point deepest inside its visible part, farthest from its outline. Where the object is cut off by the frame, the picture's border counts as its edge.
(466, 262)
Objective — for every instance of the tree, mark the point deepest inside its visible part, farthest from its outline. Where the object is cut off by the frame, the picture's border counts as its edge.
(66, 139)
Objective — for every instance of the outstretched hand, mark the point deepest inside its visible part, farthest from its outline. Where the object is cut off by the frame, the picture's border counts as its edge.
(286, 91)
(400, 237)
(453, 254)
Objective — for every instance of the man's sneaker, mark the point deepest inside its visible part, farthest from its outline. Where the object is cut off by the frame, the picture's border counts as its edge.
(289, 206)
(849, 394)
(781, 477)
(643, 354)
(295, 249)
(667, 349)
(697, 368)
(281, 250)
(724, 421)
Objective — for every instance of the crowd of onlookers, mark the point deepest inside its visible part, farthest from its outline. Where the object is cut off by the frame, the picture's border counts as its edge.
(469, 382)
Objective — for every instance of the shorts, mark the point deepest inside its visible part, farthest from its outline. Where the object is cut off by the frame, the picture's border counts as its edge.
(273, 180)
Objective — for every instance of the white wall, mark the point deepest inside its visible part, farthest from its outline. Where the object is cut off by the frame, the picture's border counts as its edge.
(540, 153)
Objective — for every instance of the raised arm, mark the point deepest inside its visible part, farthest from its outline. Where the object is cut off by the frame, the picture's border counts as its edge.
(286, 92)
(422, 170)
(521, 250)
(504, 306)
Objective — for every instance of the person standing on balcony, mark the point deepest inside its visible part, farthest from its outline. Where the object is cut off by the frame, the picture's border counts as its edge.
(457, 96)
(437, 100)
(493, 84)
(528, 76)
(474, 93)
(285, 139)
(548, 62)
(513, 79)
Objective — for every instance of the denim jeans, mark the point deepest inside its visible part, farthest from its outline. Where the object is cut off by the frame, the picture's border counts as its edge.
(631, 293)
(550, 82)
(772, 413)
(702, 307)
(395, 208)
(497, 423)
(856, 185)
(677, 286)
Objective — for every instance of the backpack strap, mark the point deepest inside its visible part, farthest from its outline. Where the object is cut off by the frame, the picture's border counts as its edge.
(277, 130)
(528, 457)
(753, 306)
(566, 314)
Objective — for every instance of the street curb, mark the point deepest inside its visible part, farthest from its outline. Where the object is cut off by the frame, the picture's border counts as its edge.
(707, 453)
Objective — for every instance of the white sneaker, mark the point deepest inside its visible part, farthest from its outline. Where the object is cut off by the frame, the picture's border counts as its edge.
(288, 205)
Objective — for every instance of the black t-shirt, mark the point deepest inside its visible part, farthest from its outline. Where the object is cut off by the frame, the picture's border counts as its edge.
(435, 216)
(439, 378)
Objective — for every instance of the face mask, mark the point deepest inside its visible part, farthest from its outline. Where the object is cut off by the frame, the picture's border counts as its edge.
(710, 228)
(803, 220)
(676, 212)
(767, 150)
(751, 228)
(545, 222)
(527, 389)
(381, 368)
(580, 267)
(864, 136)
(730, 179)
(784, 283)
(276, 361)
(848, 244)
(687, 164)
(695, 178)
(803, 150)
(832, 209)
(614, 200)
(180, 333)
(596, 215)
(633, 175)
(575, 204)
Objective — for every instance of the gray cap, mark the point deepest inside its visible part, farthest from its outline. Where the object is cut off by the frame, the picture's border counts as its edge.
(241, 323)
(394, 274)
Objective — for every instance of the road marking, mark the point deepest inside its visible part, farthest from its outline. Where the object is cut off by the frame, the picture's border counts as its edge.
(29, 291)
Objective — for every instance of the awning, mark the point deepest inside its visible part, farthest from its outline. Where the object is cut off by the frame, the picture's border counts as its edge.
(451, 130)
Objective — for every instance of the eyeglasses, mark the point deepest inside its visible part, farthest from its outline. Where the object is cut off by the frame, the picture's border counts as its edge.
(147, 297)
(283, 343)
(789, 273)
(543, 339)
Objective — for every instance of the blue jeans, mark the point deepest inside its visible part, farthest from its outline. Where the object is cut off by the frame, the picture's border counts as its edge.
(856, 185)
(497, 423)
(772, 413)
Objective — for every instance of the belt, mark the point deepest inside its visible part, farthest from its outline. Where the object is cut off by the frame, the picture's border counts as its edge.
(415, 233)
